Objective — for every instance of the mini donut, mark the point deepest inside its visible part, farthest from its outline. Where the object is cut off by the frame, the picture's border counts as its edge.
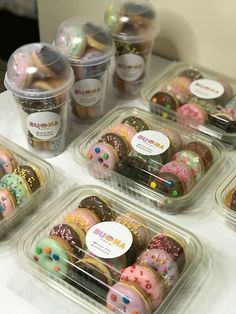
(171, 246)
(136, 226)
(97, 38)
(209, 105)
(7, 202)
(192, 74)
(31, 174)
(17, 186)
(137, 123)
(231, 103)
(128, 297)
(104, 154)
(71, 40)
(100, 207)
(163, 263)
(192, 115)
(164, 99)
(72, 234)
(228, 92)
(180, 87)
(18, 71)
(229, 112)
(120, 144)
(230, 199)
(43, 71)
(115, 265)
(152, 162)
(181, 170)
(193, 160)
(167, 183)
(148, 279)
(82, 217)
(96, 269)
(54, 255)
(7, 160)
(124, 130)
(174, 137)
(112, 17)
(203, 151)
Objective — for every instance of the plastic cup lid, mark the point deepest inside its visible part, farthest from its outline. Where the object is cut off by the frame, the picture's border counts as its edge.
(133, 21)
(38, 70)
(84, 41)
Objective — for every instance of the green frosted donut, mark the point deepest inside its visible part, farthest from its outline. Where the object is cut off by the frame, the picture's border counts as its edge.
(112, 17)
(17, 186)
(50, 255)
(193, 160)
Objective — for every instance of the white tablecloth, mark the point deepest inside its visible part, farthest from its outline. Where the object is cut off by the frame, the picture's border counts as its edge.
(22, 293)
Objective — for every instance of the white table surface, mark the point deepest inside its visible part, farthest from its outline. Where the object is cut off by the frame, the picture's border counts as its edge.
(21, 293)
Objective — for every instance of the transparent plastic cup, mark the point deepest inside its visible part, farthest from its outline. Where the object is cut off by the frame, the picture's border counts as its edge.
(134, 27)
(89, 48)
(39, 77)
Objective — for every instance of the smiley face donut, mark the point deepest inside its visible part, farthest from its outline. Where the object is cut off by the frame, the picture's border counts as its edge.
(53, 254)
(103, 154)
(129, 298)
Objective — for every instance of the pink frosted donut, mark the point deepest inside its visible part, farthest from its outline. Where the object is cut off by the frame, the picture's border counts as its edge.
(82, 217)
(179, 86)
(230, 111)
(7, 202)
(7, 160)
(19, 70)
(192, 115)
(103, 154)
(148, 279)
(124, 130)
(182, 171)
(125, 297)
(161, 262)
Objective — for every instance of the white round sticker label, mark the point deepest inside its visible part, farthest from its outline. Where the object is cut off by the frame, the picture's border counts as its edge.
(43, 125)
(206, 89)
(87, 92)
(150, 143)
(108, 239)
(129, 67)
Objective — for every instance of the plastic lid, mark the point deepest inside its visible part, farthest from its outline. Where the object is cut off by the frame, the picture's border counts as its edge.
(38, 70)
(84, 41)
(134, 21)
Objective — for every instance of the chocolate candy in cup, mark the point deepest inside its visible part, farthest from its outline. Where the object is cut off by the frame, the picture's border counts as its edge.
(88, 45)
(39, 77)
(134, 26)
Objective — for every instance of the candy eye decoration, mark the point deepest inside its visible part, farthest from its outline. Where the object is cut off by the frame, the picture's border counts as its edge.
(97, 150)
(113, 298)
(170, 183)
(153, 185)
(163, 100)
(125, 300)
(38, 250)
(105, 156)
(55, 256)
(174, 193)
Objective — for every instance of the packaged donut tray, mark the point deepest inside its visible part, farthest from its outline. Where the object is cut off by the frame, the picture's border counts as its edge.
(156, 161)
(225, 198)
(24, 180)
(197, 97)
(99, 250)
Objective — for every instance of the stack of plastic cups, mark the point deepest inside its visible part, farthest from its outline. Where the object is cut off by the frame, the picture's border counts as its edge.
(134, 26)
(40, 77)
(89, 48)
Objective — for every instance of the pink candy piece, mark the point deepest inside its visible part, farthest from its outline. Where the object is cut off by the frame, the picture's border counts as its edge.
(161, 262)
(181, 170)
(148, 280)
(124, 130)
(104, 154)
(192, 115)
(6, 202)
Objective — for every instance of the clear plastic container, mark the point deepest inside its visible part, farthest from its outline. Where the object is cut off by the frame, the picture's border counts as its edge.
(89, 48)
(90, 274)
(39, 77)
(25, 180)
(139, 162)
(197, 97)
(134, 26)
(224, 199)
